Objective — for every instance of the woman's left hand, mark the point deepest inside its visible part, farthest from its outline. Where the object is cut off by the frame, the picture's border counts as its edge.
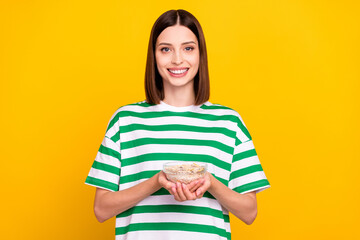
(193, 190)
(205, 186)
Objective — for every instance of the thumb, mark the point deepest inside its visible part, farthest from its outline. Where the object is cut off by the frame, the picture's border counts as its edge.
(199, 191)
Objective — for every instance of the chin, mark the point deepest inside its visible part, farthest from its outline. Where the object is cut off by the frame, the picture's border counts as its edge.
(180, 83)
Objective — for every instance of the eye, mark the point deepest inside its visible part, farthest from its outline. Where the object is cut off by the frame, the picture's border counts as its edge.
(164, 49)
(189, 48)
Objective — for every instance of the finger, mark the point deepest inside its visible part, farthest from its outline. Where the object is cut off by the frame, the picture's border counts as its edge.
(175, 193)
(187, 193)
(162, 180)
(166, 184)
(192, 184)
(197, 185)
(199, 192)
(170, 190)
(170, 185)
(180, 191)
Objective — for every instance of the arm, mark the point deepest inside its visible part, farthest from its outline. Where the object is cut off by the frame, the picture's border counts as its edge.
(243, 206)
(109, 204)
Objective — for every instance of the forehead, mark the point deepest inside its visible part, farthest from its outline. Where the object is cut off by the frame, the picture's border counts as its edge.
(176, 34)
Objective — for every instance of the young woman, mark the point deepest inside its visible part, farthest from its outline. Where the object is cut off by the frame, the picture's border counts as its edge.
(176, 122)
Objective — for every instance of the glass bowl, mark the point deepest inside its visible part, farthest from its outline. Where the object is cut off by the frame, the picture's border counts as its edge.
(184, 172)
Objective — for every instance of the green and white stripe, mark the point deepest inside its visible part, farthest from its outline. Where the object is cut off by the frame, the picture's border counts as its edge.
(141, 137)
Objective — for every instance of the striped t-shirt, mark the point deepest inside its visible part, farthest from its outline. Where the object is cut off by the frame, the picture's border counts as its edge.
(141, 137)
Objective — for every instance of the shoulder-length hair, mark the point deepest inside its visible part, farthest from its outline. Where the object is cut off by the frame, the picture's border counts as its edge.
(153, 81)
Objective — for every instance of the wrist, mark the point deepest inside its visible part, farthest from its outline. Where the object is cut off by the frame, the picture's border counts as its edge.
(156, 181)
(212, 180)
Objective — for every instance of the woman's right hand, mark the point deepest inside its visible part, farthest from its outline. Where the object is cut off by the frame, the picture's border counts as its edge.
(180, 191)
(165, 183)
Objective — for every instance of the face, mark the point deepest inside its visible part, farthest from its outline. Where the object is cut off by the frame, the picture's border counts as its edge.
(177, 56)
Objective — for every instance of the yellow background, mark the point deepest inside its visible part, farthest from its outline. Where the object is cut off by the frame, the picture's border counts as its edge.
(290, 68)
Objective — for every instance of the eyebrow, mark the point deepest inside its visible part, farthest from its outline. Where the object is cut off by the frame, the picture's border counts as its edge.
(164, 43)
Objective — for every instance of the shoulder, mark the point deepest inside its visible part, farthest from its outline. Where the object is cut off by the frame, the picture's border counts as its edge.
(126, 110)
(130, 107)
(232, 115)
(221, 109)
(135, 104)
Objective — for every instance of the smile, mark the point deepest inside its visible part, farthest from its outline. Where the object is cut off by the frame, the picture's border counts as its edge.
(179, 71)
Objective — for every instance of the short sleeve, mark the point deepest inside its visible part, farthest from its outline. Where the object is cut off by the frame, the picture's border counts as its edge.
(105, 170)
(247, 174)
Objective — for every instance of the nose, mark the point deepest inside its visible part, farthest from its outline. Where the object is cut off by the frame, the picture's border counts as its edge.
(176, 58)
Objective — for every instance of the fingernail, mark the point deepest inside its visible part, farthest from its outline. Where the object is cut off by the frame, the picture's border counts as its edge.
(183, 185)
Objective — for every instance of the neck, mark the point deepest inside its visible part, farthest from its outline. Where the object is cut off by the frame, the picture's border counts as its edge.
(180, 97)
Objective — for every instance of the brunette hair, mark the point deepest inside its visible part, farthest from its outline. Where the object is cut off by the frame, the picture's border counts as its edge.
(153, 81)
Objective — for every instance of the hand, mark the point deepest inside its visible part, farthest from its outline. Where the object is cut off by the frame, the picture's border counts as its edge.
(193, 190)
(205, 186)
(183, 192)
(165, 183)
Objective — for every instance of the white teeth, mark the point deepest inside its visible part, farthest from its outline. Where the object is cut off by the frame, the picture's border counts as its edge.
(178, 71)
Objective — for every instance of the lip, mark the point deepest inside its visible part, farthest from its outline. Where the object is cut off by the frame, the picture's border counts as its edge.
(178, 68)
(177, 75)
